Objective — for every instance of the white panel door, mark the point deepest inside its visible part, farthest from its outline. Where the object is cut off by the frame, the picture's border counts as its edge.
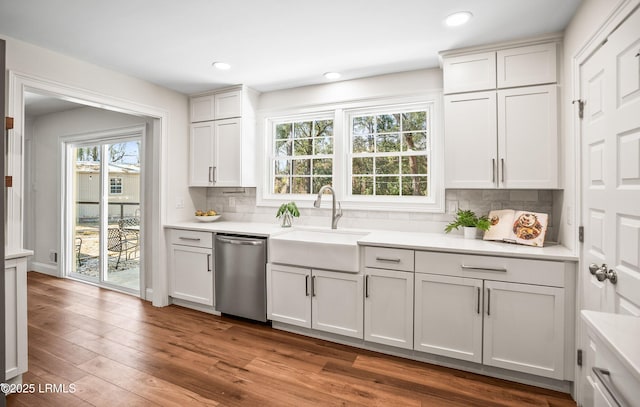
(227, 170)
(448, 316)
(610, 85)
(192, 274)
(201, 141)
(388, 307)
(528, 137)
(524, 328)
(337, 303)
(470, 140)
(289, 295)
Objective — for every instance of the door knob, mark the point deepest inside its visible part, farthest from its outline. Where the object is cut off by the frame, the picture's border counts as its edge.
(600, 272)
(612, 276)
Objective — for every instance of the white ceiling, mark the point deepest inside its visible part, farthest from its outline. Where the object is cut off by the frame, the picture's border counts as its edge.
(271, 44)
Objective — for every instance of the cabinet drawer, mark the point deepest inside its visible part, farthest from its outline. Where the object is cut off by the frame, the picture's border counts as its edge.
(192, 238)
(540, 272)
(385, 258)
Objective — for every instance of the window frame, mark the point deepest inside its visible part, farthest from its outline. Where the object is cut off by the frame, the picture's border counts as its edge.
(342, 154)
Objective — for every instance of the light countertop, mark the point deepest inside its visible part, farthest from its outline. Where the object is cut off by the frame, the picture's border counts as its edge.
(620, 333)
(16, 253)
(408, 240)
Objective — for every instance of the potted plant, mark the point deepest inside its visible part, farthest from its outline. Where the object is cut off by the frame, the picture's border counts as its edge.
(470, 222)
(287, 212)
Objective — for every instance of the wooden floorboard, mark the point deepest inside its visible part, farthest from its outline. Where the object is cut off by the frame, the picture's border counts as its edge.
(116, 350)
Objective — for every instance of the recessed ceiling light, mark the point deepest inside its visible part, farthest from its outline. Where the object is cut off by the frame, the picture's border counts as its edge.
(331, 75)
(457, 19)
(223, 66)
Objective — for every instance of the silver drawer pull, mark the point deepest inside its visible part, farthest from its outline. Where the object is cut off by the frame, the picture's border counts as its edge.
(605, 378)
(464, 267)
(193, 239)
(387, 260)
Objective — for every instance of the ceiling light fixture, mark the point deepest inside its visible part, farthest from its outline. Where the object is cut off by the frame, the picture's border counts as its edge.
(459, 18)
(223, 66)
(331, 75)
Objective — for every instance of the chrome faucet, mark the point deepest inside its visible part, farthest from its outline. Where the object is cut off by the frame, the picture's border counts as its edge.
(335, 214)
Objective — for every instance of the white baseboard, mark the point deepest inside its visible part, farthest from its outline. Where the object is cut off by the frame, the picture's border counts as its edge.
(44, 268)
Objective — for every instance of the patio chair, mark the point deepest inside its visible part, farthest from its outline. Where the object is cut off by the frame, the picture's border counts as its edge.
(78, 247)
(120, 241)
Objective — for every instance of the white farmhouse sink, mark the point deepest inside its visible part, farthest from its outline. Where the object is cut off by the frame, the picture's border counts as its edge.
(326, 249)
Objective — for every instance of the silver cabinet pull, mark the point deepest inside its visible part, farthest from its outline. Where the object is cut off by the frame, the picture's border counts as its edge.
(210, 174)
(605, 378)
(387, 260)
(215, 178)
(209, 263)
(191, 239)
(500, 269)
(306, 286)
(366, 286)
(493, 170)
(488, 302)
(478, 304)
(313, 286)
(502, 169)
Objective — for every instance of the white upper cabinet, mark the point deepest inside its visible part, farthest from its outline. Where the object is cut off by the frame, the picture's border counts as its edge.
(506, 137)
(528, 137)
(523, 66)
(222, 139)
(470, 73)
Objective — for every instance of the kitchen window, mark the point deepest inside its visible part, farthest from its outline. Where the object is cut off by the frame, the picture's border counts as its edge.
(302, 160)
(377, 154)
(390, 152)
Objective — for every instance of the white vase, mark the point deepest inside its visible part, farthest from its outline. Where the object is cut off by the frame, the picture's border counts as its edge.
(470, 232)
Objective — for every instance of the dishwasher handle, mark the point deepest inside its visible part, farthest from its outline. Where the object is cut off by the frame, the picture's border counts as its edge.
(240, 242)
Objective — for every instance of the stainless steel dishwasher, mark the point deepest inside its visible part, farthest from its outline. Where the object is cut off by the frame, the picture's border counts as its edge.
(240, 276)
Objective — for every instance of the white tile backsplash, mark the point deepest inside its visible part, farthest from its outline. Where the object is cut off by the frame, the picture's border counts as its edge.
(240, 204)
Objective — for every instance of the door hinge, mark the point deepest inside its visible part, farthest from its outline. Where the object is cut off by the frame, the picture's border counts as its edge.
(579, 357)
(581, 104)
(8, 181)
(581, 234)
(8, 123)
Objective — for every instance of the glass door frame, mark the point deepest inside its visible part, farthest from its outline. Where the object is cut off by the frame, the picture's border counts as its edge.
(101, 139)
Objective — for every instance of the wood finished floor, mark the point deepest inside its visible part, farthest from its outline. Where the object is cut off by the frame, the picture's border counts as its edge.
(120, 351)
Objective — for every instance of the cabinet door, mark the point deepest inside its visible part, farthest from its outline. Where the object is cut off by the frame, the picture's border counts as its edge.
(201, 142)
(15, 298)
(528, 137)
(524, 328)
(388, 307)
(448, 316)
(227, 171)
(470, 140)
(202, 108)
(289, 295)
(522, 66)
(337, 304)
(469, 73)
(192, 274)
(228, 104)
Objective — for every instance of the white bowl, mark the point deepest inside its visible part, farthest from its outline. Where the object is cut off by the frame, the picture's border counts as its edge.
(208, 218)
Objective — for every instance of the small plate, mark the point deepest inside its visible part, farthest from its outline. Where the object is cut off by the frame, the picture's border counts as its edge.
(208, 218)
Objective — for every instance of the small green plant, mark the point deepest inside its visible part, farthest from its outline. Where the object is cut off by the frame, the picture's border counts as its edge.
(291, 208)
(467, 218)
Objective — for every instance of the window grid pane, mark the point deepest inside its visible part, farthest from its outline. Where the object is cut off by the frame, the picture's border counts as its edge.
(302, 156)
(390, 154)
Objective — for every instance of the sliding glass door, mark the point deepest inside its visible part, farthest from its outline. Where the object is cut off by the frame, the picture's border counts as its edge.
(103, 203)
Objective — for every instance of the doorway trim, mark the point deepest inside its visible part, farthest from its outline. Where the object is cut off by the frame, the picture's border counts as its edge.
(155, 215)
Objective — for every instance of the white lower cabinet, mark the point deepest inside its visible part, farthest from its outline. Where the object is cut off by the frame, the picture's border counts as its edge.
(524, 328)
(191, 266)
(15, 298)
(329, 301)
(388, 307)
(448, 316)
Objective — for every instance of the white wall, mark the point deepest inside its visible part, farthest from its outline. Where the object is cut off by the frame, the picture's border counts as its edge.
(41, 202)
(589, 17)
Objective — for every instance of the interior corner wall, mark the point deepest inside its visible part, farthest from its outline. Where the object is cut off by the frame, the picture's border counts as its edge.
(591, 15)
